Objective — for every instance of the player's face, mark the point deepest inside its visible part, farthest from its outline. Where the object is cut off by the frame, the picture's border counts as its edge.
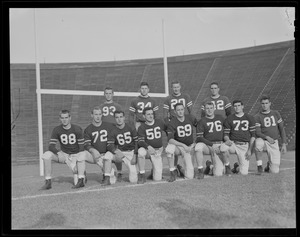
(144, 90)
(179, 111)
(97, 115)
(149, 117)
(214, 89)
(265, 105)
(209, 110)
(65, 119)
(120, 119)
(108, 95)
(176, 88)
(238, 108)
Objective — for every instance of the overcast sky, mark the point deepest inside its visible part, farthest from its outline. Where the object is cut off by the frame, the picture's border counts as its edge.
(94, 35)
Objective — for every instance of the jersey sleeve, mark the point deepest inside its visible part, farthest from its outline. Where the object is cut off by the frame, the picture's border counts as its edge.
(166, 105)
(111, 139)
(141, 137)
(80, 138)
(281, 128)
(170, 131)
(87, 139)
(258, 132)
(227, 126)
(132, 107)
(252, 126)
(189, 102)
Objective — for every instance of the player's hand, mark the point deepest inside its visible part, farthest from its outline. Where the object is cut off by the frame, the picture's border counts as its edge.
(134, 159)
(283, 148)
(151, 150)
(248, 155)
(270, 140)
(212, 151)
(228, 142)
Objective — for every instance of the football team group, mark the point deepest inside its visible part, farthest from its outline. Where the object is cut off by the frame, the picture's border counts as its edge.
(224, 129)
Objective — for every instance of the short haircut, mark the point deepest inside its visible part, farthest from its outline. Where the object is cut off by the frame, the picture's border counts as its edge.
(214, 83)
(177, 104)
(119, 112)
(265, 97)
(96, 108)
(64, 111)
(237, 101)
(146, 109)
(109, 88)
(175, 82)
(143, 83)
(209, 103)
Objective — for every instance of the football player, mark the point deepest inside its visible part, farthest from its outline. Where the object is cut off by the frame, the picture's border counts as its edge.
(221, 103)
(108, 109)
(180, 137)
(239, 136)
(150, 145)
(209, 139)
(95, 136)
(174, 98)
(121, 146)
(269, 126)
(137, 106)
(70, 138)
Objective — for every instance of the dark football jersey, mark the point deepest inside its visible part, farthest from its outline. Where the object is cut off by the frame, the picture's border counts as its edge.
(268, 123)
(172, 99)
(71, 140)
(211, 129)
(239, 129)
(108, 110)
(182, 131)
(124, 139)
(221, 104)
(152, 134)
(96, 137)
(137, 106)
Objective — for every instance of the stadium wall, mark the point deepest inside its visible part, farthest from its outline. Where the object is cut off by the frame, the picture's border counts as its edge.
(243, 74)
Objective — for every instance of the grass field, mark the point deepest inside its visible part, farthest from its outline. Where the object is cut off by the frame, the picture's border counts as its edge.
(251, 202)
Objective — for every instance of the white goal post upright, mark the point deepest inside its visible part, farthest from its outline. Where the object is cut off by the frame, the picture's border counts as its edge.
(40, 91)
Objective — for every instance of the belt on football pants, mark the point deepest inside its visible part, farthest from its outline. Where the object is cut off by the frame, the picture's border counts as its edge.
(240, 143)
(217, 142)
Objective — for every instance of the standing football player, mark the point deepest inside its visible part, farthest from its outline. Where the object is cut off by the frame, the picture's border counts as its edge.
(174, 98)
(121, 146)
(239, 136)
(180, 137)
(210, 134)
(95, 136)
(70, 138)
(137, 106)
(269, 126)
(108, 109)
(150, 145)
(221, 103)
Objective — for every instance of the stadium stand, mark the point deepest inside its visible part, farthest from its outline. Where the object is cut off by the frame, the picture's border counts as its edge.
(241, 73)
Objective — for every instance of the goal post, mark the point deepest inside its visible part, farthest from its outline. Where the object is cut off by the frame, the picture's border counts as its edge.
(40, 91)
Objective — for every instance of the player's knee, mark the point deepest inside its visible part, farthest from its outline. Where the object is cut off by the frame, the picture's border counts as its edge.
(170, 149)
(142, 152)
(199, 147)
(224, 148)
(108, 156)
(81, 156)
(47, 155)
(259, 144)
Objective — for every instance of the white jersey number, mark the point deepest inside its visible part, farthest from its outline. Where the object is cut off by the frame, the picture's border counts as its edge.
(108, 110)
(65, 139)
(218, 105)
(217, 124)
(175, 101)
(184, 131)
(124, 138)
(243, 123)
(142, 105)
(268, 122)
(103, 136)
(153, 133)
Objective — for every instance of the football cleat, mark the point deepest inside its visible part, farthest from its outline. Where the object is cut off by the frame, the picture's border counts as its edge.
(180, 171)
(200, 174)
(79, 184)
(103, 177)
(106, 181)
(267, 168)
(173, 175)
(235, 166)
(228, 170)
(259, 170)
(141, 178)
(207, 169)
(47, 185)
(150, 176)
(119, 177)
